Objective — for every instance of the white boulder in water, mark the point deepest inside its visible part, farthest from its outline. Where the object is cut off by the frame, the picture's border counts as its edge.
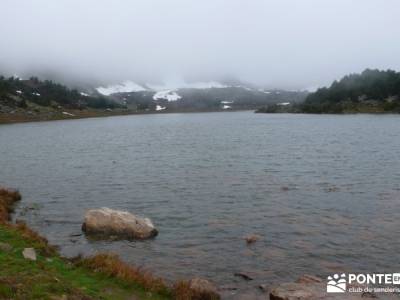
(106, 221)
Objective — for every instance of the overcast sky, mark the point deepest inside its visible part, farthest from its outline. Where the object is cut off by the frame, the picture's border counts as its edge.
(275, 43)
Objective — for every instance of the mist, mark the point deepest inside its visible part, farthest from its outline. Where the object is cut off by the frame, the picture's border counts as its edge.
(276, 44)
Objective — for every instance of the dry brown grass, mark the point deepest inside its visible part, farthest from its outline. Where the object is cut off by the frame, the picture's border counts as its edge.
(111, 265)
(7, 199)
(182, 291)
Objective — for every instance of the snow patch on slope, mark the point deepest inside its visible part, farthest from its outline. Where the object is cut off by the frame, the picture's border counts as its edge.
(264, 91)
(125, 87)
(159, 107)
(169, 95)
(243, 87)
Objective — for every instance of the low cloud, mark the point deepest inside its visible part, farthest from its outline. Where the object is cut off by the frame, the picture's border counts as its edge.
(281, 43)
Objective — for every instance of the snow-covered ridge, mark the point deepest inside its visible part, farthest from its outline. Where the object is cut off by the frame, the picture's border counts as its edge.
(130, 86)
(169, 90)
(180, 84)
(125, 87)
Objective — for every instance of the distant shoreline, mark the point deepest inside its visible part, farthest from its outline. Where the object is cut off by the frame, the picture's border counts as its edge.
(24, 117)
(292, 109)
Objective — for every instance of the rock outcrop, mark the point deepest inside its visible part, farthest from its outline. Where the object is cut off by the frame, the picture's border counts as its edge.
(108, 222)
(29, 253)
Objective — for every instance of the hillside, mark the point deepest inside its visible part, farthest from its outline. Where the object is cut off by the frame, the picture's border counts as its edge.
(372, 91)
(197, 96)
(15, 92)
(34, 99)
(37, 100)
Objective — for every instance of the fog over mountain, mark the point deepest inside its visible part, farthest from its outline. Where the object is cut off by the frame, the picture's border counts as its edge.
(287, 44)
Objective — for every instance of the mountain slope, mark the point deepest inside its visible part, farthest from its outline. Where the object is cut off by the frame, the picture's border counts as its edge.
(18, 93)
(194, 96)
(47, 100)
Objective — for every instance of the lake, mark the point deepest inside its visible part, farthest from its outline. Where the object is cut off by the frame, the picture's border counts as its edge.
(321, 191)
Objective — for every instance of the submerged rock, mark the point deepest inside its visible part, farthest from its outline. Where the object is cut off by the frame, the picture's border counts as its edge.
(106, 221)
(251, 238)
(309, 279)
(29, 253)
(243, 275)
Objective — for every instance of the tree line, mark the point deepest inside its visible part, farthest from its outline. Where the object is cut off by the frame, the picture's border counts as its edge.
(374, 88)
(47, 93)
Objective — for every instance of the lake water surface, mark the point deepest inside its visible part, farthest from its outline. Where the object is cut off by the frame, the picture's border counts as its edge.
(322, 191)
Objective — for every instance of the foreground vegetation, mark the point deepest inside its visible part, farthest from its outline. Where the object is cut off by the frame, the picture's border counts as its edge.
(372, 91)
(49, 276)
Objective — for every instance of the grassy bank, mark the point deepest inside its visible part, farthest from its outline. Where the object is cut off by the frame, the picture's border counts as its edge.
(50, 276)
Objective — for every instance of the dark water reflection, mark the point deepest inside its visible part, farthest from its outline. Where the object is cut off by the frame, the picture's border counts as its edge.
(323, 192)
